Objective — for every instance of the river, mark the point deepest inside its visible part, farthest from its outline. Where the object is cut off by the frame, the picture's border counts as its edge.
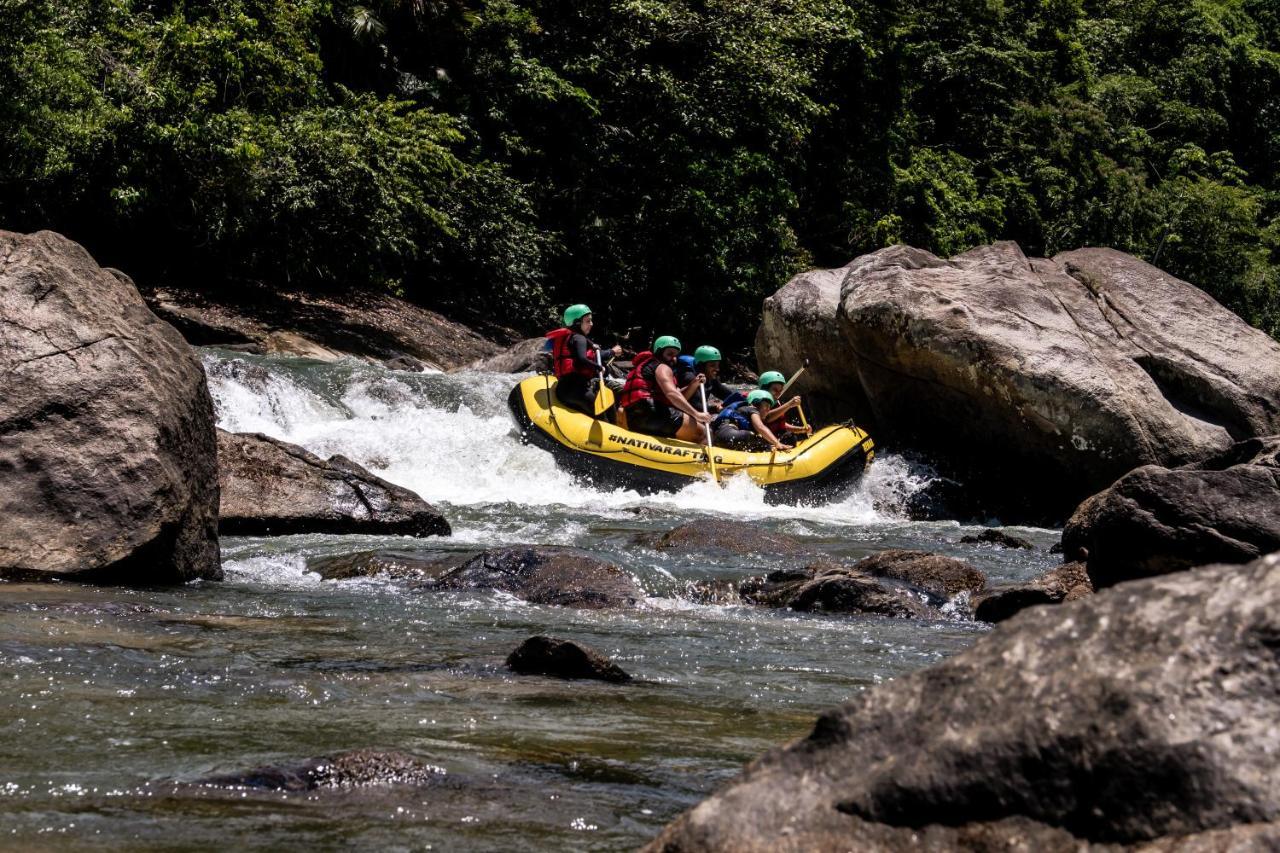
(115, 698)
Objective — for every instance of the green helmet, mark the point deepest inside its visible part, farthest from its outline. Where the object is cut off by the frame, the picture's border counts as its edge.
(665, 341)
(574, 313)
(771, 376)
(705, 353)
(757, 397)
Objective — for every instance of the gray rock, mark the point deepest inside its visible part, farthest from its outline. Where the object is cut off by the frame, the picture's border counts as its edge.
(1157, 520)
(353, 769)
(376, 327)
(564, 659)
(107, 455)
(992, 536)
(397, 565)
(711, 535)
(1040, 381)
(1065, 583)
(271, 487)
(1143, 712)
(527, 356)
(940, 576)
(540, 575)
(828, 587)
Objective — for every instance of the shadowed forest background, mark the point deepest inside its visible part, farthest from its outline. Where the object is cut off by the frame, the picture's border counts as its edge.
(669, 163)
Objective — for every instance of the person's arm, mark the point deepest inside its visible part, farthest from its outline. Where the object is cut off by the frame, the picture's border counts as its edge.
(675, 398)
(757, 424)
(692, 388)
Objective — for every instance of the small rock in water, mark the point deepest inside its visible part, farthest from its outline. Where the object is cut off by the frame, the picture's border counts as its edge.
(392, 564)
(564, 659)
(546, 576)
(736, 537)
(997, 537)
(942, 576)
(713, 591)
(357, 768)
(1065, 583)
(831, 588)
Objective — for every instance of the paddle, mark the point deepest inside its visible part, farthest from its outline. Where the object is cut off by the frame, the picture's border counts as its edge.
(604, 394)
(702, 389)
(792, 380)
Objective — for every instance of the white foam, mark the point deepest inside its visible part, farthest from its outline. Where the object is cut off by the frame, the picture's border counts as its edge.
(449, 438)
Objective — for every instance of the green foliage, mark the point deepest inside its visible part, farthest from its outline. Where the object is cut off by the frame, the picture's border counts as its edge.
(668, 161)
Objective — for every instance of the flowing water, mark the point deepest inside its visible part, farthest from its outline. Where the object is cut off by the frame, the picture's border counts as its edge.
(114, 699)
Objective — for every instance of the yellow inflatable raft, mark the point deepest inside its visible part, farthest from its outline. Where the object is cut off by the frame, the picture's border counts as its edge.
(817, 470)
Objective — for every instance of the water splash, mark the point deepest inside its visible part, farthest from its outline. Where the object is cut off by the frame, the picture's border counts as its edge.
(449, 438)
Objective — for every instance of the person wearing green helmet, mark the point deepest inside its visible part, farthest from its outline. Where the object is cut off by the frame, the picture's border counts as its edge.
(773, 381)
(741, 425)
(654, 404)
(702, 369)
(576, 360)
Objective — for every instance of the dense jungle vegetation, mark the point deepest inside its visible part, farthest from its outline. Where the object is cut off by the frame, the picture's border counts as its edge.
(668, 162)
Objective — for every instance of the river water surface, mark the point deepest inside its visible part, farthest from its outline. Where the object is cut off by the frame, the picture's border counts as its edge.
(114, 699)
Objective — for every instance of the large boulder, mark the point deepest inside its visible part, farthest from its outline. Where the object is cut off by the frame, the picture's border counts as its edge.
(543, 575)
(1144, 712)
(271, 487)
(1157, 520)
(108, 463)
(1039, 381)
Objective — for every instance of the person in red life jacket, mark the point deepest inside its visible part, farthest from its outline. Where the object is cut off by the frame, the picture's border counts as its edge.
(773, 382)
(654, 404)
(741, 425)
(574, 362)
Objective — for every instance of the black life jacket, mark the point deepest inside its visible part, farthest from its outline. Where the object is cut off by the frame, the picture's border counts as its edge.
(562, 361)
(637, 387)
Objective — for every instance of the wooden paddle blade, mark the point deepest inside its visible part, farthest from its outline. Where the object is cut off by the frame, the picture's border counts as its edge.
(604, 399)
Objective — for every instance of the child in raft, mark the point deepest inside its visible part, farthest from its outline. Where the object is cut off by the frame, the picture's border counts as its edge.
(741, 425)
(773, 381)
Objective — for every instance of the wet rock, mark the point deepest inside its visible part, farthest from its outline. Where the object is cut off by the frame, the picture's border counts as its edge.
(376, 327)
(1045, 380)
(564, 659)
(271, 487)
(992, 536)
(1065, 583)
(1144, 712)
(831, 588)
(527, 356)
(107, 458)
(407, 363)
(547, 576)
(735, 537)
(714, 591)
(1158, 520)
(398, 565)
(941, 576)
(356, 768)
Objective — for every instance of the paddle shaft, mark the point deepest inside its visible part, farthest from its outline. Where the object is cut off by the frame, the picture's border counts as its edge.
(604, 394)
(702, 389)
(792, 380)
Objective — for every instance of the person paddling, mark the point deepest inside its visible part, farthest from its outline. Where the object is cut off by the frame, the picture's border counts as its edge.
(741, 425)
(653, 403)
(575, 360)
(702, 369)
(773, 381)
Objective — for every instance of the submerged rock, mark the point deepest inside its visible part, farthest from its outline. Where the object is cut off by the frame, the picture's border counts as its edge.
(831, 588)
(941, 576)
(1155, 520)
(992, 536)
(397, 565)
(564, 659)
(271, 487)
(547, 576)
(1040, 381)
(108, 468)
(356, 768)
(1065, 583)
(1145, 712)
(735, 537)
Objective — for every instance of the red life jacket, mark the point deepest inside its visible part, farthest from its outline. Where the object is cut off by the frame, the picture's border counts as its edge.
(636, 388)
(562, 357)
